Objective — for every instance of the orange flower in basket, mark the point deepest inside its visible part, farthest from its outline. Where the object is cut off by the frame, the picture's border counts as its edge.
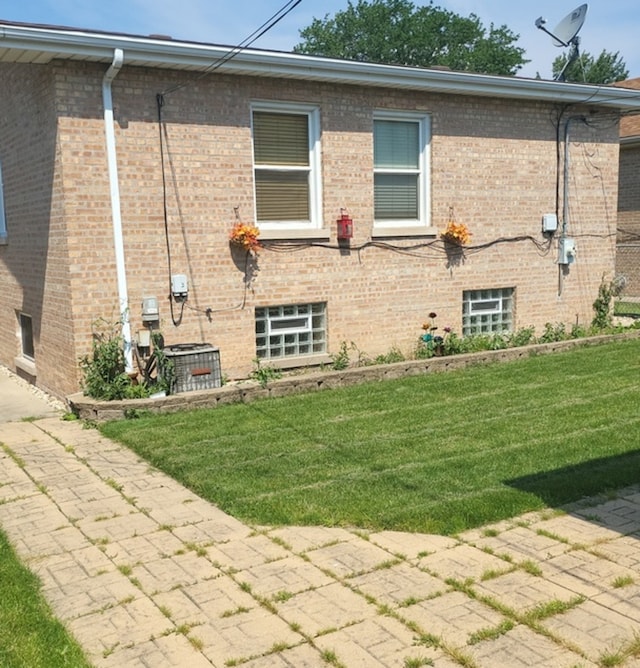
(246, 236)
(456, 233)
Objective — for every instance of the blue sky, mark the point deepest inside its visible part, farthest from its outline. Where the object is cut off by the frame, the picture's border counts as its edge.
(613, 25)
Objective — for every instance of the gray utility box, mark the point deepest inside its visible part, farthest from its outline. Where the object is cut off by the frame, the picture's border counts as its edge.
(197, 366)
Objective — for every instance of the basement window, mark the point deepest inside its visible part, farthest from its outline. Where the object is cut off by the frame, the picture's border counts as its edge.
(487, 311)
(3, 220)
(293, 330)
(26, 335)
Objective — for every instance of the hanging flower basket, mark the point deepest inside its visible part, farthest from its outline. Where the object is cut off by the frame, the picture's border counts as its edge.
(456, 233)
(245, 236)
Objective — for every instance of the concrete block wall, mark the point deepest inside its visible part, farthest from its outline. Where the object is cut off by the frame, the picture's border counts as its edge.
(492, 161)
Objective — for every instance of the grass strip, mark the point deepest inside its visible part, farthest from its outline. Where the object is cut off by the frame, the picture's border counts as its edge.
(29, 634)
(437, 453)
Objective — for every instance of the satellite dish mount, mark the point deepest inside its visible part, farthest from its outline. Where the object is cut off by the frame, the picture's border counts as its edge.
(566, 34)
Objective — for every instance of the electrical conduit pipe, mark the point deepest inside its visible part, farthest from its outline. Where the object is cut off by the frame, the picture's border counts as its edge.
(110, 136)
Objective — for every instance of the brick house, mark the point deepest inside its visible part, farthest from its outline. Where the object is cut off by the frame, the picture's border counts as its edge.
(628, 246)
(126, 160)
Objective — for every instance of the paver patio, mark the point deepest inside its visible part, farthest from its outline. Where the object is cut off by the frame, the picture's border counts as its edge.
(146, 574)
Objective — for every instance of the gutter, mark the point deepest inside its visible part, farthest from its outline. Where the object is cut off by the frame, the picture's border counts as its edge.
(118, 242)
(41, 44)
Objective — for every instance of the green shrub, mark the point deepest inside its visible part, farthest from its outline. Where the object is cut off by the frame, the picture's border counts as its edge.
(264, 373)
(340, 360)
(552, 333)
(523, 337)
(578, 332)
(602, 307)
(394, 355)
(104, 370)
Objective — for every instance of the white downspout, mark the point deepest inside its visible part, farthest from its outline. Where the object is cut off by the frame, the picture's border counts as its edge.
(107, 101)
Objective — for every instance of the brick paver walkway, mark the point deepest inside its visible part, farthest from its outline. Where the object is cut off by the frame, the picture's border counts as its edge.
(146, 574)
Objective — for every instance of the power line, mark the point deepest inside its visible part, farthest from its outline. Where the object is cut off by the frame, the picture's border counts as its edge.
(245, 44)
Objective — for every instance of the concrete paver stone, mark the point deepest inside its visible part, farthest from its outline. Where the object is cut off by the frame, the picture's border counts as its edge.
(452, 617)
(325, 608)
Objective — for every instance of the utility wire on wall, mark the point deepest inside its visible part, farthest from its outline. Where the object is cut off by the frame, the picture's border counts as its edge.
(160, 101)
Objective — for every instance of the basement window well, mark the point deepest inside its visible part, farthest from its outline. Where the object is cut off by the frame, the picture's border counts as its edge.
(294, 330)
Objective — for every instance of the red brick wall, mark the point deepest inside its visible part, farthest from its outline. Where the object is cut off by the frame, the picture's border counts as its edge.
(628, 249)
(493, 161)
(33, 265)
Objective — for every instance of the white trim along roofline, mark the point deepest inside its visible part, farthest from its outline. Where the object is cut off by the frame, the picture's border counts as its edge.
(29, 43)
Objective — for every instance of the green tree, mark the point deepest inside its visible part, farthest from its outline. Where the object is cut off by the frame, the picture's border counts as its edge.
(399, 32)
(607, 68)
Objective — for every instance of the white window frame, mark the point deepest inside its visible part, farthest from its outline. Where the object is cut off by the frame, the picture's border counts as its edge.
(3, 218)
(23, 318)
(312, 112)
(423, 221)
(475, 305)
(276, 326)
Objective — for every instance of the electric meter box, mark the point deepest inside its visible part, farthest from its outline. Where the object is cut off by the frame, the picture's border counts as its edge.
(179, 285)
(196, 366)
(566, 251)
(549, 223)
(150, 311)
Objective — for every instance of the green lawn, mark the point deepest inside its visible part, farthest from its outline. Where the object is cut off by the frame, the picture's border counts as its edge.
(436, 453)
(30, 637)
(631, 309)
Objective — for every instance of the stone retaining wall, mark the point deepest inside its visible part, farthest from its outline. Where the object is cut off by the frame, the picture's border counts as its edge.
(247, 391)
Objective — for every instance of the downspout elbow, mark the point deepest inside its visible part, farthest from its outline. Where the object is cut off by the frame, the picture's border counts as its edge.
(114, 68)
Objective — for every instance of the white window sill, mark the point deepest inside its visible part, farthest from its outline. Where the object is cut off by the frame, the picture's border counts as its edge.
(300, 233)
(406, 231)
(4, 241)
(25, 365)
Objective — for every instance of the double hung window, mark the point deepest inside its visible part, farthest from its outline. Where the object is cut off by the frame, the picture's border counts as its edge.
(286, 150)
(401, 161)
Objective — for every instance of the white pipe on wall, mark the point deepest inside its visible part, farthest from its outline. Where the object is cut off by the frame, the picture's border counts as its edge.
(107, 101)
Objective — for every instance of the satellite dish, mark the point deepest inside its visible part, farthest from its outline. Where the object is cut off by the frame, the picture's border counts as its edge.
(566, 34)
(567, 30)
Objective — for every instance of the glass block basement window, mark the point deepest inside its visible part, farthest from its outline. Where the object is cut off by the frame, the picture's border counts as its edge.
(487, 311)
(291, 331)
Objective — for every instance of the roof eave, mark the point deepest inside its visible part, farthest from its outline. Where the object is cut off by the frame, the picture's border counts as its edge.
(20, 43)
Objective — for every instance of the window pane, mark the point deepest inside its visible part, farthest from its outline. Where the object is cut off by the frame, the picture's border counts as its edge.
(281, 139)
(26, 331)
(289, 323)
(282, 195)
(396, 196)
(290, 330)
(3, 222)
(396, 145)
(487, 311)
